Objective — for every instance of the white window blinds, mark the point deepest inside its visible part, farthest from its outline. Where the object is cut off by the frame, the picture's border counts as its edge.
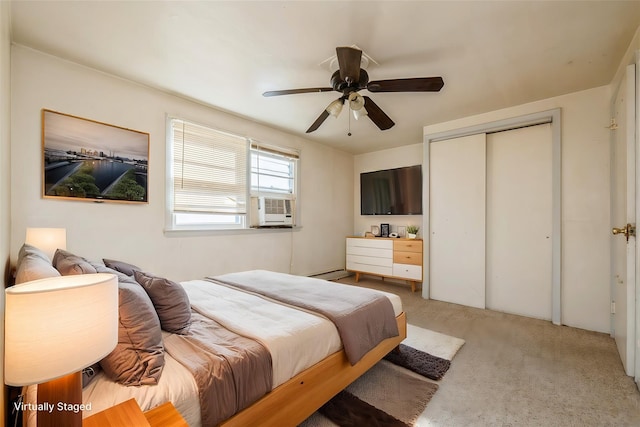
(209, 170)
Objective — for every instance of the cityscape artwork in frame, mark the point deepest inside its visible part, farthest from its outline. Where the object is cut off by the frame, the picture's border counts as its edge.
(89, 160)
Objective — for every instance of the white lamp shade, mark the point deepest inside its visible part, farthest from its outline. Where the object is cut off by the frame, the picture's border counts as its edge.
(47, 239)
(59, 325)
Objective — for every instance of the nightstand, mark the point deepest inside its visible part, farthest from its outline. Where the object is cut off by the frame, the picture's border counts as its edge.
(128, 413)
(165, 415)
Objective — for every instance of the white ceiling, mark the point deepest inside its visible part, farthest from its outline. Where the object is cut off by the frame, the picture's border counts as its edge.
(491, 55)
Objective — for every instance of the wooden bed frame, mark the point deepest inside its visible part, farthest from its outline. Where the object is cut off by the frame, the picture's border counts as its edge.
(294, 401)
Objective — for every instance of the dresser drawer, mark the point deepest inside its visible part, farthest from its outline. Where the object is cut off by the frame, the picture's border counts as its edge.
(369, 243)
(407, 245)
(372, 252)
(369, 261)
(414, 258)
(368, 268)
(407, 271)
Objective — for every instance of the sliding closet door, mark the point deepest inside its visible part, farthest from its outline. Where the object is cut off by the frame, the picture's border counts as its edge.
(519, 220)
(457, 220)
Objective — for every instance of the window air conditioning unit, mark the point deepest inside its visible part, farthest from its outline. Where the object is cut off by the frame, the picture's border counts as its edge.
(270, 212)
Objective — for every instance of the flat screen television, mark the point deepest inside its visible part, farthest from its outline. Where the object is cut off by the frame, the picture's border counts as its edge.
(391, 191)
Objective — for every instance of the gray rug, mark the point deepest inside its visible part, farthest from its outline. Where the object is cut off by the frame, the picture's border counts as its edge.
(393, 396)
(420, 362)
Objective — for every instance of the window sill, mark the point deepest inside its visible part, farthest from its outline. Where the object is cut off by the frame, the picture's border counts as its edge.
(228, 231)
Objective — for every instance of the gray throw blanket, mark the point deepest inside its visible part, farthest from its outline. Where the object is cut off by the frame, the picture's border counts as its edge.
(231, 371)
(363, 317)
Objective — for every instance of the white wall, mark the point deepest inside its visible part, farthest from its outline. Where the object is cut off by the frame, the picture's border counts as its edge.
(585, 200)
(5, 167)
(407, 155)
(585, 197)
(134, 233)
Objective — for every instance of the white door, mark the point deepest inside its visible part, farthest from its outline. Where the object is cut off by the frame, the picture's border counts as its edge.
(457, 171)
(623, 207)
(519, 221)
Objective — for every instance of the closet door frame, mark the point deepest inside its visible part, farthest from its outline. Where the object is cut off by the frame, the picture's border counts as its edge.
(549, 116)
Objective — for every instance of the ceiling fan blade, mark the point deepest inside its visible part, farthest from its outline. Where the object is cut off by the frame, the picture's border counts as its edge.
(295, 91)
(349, 62)
(376, 114)
(418, 84)
(321, 118)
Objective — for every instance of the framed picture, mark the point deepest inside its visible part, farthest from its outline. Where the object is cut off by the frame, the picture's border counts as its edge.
(384, 230)
(87, 160)
(402, 231)
(375, 230)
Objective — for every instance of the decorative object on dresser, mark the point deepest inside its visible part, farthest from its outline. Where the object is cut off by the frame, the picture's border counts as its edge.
(402, 231)
(54, 328)
(412, 231)
(375, 230)
(384, 230)
(386, 257)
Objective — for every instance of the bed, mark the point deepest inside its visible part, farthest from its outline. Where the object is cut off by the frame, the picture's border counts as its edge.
(310, 358)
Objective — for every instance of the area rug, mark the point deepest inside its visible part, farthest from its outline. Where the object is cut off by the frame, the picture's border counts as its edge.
(434, 343)
(417, 361)
(393, 396)
(389, 395)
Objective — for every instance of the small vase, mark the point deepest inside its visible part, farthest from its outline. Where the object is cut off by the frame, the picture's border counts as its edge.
(411, 236)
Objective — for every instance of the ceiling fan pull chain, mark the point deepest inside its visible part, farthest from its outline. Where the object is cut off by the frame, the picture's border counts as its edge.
(349, 132)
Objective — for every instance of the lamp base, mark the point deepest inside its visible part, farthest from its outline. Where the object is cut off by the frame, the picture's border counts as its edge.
(64, 399)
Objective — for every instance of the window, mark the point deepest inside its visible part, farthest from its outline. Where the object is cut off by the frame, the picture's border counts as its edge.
(273, 171)
(213, 174)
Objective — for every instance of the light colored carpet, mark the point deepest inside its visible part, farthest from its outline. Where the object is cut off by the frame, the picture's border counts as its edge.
(520, 372)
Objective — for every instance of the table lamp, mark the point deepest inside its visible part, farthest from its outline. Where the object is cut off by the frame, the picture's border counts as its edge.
(54, 328)
(47, 239)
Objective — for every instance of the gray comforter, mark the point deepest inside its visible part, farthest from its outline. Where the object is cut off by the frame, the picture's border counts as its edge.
(363, 317)
(231, 371)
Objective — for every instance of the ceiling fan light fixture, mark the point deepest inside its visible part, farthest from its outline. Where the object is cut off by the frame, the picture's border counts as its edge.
(360, 113)
(335, 107)
(356, 101)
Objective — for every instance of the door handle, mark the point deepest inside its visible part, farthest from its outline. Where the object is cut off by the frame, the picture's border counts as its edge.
(628, 230)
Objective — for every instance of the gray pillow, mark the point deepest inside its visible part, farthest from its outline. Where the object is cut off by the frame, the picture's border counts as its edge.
(69, 264)
(33, 264)
(138, 358)
(101, 268)
(121, 266)
(170, 300)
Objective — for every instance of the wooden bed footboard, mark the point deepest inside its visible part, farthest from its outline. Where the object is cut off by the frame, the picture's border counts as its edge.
(294, 401)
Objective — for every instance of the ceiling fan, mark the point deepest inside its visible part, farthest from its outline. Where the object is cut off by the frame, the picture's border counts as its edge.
(350, 78)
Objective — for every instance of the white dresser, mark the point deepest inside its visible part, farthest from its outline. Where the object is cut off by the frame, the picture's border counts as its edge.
(386, 257)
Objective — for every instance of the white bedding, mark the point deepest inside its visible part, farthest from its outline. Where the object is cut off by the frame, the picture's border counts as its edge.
(296, 340)
(176, 385)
